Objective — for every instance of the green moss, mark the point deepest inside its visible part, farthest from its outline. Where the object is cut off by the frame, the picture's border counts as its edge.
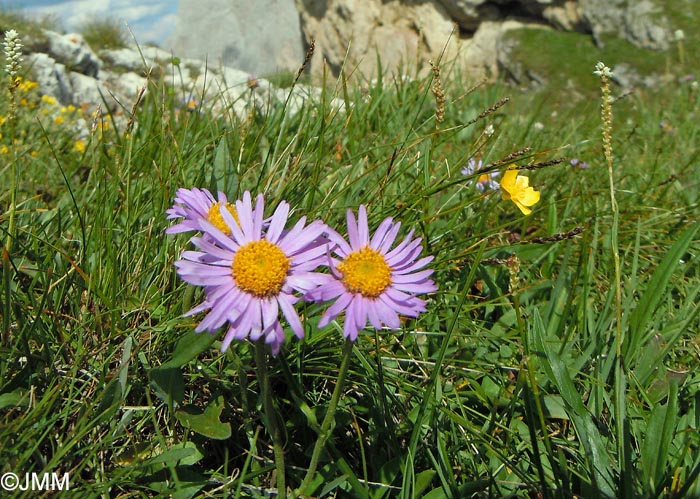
(565, 60)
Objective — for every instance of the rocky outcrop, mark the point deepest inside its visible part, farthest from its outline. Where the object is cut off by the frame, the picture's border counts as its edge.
(641, 22)
(66, 68)
(416, 29)
(354, 33)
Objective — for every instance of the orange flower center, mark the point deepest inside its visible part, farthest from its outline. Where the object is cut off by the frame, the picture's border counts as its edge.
(217, 220)
(260, 268)
(365, 272)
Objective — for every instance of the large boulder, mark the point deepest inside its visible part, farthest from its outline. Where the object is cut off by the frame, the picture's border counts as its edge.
(73, 51)
(260, 37)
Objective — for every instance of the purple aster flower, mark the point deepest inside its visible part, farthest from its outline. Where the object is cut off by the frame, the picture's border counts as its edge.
(472, 167)
(251, 273)
(195, 205)
(369, 280)
(577, 163)
(485, 180)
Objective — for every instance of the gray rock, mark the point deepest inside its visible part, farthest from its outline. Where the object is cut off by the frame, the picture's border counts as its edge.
(129, 85)
(126, 58)
(644, 26)
(89, 92)
(260, 37)
(73, 51)
(51, 76)
(639, 22)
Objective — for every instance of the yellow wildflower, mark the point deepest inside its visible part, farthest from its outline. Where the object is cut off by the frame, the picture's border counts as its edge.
(27, 85)
(79, 146)
(517, 188)
(48, 99)
(4, 150)
(58, 120)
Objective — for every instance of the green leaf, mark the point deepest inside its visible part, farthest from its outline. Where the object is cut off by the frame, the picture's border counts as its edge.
(554, 406)
(110, 400)
(558, 373)
(16, 398)
(188, 348)
(223, 175)
(124, 366)
(173, 456)
(658, 437)
(438, 493)
(655, 290)
(169, 384)
(207, 423)
(423, 480)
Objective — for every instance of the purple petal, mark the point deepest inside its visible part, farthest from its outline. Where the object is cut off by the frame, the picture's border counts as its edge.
(291, 315)
(411, 278)
(400, 247)
(389, 239)
(352, 231)
(342, 249)
(219, 236)
(362, 227)
(334, 310)
(373, 315)
(386, 312)
(378, 237)
(258, 219)
(413, 266)
(270, 311)
(350, 327)
(277, 223)
(420, 288)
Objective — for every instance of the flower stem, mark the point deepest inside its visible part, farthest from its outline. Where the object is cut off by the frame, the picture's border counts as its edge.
(269, 417)
(328, 420)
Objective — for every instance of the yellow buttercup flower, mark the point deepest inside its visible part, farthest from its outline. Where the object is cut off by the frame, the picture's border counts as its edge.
(48, 99)
(517, 188)
(27, 85)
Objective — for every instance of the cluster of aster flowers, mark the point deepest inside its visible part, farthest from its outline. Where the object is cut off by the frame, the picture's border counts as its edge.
(485, 181)
(252, 268)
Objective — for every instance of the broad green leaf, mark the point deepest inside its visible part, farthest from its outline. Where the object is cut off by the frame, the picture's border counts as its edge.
(16, 398)
(438, 493)
(423, 480)
(207, 423)
(658, 438)
(188, 348)
(554, 406)
(174, 456)
(169, 384)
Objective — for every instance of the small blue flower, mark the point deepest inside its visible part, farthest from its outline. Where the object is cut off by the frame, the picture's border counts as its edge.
(485, 181)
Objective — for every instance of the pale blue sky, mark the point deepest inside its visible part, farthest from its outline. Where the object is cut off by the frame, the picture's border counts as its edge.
(150, 20)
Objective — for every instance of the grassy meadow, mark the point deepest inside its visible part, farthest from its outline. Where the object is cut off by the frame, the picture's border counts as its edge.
(557, 359)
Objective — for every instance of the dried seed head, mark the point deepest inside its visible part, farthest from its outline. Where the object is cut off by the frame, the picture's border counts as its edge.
(438, 93)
